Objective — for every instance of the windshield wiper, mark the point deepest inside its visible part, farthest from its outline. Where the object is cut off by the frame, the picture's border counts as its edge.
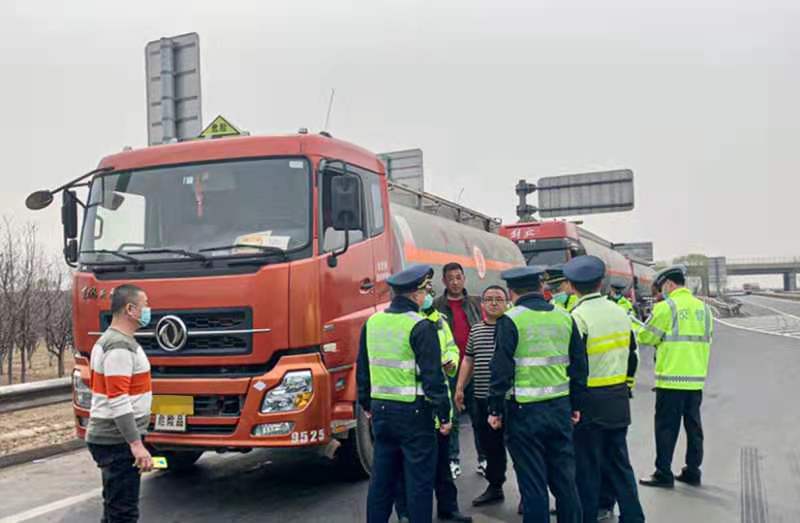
(265, 249)
(125, 257)
(182, 252)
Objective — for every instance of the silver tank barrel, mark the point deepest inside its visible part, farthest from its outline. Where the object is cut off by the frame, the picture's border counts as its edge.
(425, 238)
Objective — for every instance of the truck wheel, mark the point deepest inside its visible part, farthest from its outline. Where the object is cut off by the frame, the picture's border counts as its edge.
(354, 457)
(180, 461)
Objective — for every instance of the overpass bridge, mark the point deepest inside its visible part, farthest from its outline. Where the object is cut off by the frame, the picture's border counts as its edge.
(788, 266)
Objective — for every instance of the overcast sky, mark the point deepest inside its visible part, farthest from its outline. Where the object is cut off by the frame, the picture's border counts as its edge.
(700, 99)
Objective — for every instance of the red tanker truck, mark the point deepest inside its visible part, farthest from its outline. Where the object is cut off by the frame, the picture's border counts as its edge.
(262, 257)
(552, 242)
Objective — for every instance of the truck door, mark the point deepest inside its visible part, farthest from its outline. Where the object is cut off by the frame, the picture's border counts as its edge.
(347, 289)
(379, 237)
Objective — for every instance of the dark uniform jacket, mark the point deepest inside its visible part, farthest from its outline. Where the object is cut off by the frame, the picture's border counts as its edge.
(502, 364)
(427, 352)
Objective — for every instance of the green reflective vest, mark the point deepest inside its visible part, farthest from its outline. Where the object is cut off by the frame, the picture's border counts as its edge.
(542, 354)
(608, 337)
(624, 303)
(450, 354)
(393, 370)
(627, 306)
(564, 300)
(447, 341)
(680, 329)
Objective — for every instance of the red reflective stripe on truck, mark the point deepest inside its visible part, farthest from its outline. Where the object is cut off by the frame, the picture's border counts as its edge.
(415, 254)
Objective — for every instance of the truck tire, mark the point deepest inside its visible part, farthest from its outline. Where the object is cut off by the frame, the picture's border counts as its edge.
(354, 457)
(180, 460)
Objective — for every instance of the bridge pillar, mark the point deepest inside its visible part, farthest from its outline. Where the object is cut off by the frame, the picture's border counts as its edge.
(790, 281)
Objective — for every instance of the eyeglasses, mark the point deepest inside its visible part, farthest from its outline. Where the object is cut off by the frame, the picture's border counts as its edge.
(494, 301)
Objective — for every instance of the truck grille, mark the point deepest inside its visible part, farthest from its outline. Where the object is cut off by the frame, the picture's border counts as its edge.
(213, 406)
(217, 342)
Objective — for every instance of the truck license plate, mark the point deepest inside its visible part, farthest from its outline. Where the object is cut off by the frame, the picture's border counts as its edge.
(170, 423)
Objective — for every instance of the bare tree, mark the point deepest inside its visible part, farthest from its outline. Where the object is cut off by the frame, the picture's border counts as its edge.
(8, 297)
(27, 327)
(56, 313)
(34, 305)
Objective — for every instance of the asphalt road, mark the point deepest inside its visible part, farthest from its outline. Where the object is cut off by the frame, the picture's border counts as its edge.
(752, 465)
(786, 306)
(766, 314)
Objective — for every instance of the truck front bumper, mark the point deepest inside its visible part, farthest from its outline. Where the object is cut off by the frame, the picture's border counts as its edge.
(228, 411)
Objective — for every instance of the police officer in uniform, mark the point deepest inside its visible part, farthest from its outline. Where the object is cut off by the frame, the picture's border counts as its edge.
(401, 386)
(600, 436)
(564, 296)
(680, 329)
(607, 499)
(616, 295)
(540, 361)
(444, 485)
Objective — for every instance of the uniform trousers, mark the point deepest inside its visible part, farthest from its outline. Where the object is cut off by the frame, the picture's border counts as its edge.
(539, 438)
(405, 443)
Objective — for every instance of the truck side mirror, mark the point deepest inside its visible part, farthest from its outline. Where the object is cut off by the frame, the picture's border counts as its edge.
(71, 251)
(346, 213)
(69, 222)
(346, 203)
(38, 200)
(69, 215)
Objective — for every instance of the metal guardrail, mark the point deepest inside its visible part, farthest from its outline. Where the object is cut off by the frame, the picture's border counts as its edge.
(778, 295)
(37, 394)
(775, 260)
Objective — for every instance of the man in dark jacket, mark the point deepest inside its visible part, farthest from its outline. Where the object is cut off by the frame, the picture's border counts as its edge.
(462, 312)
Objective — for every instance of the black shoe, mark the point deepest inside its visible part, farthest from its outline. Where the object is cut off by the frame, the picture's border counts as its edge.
(455, 516)
(490, 495)
(689, 478)
(657, 480)
(519, 509)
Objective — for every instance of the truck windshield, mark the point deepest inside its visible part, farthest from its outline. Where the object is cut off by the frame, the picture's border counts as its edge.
(545, 257)
(167, 212)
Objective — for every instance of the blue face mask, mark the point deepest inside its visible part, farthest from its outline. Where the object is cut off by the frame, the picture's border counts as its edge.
(428, 302)
(144, 318)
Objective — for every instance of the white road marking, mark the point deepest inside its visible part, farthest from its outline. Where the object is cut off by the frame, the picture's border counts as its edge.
(51, 507)
(751, 329)
(778, 311)
(790, 327)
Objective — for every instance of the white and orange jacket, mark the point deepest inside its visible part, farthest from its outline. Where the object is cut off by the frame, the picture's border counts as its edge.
(121, 390)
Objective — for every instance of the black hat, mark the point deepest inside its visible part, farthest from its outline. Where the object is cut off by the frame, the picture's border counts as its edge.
(523, 277)
(665, 274)
(585, 269)
(555, 274)
(411, 278)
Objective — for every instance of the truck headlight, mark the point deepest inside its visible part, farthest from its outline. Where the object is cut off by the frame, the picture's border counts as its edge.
(293, 393)
(81, 391)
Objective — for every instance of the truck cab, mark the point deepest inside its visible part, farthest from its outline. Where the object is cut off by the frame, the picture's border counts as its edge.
(258, 294)
(262, 258)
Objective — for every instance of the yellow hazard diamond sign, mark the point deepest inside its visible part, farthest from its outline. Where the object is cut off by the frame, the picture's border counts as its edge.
(218, 128)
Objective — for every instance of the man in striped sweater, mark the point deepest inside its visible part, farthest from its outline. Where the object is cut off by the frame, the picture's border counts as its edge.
(121, 398)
